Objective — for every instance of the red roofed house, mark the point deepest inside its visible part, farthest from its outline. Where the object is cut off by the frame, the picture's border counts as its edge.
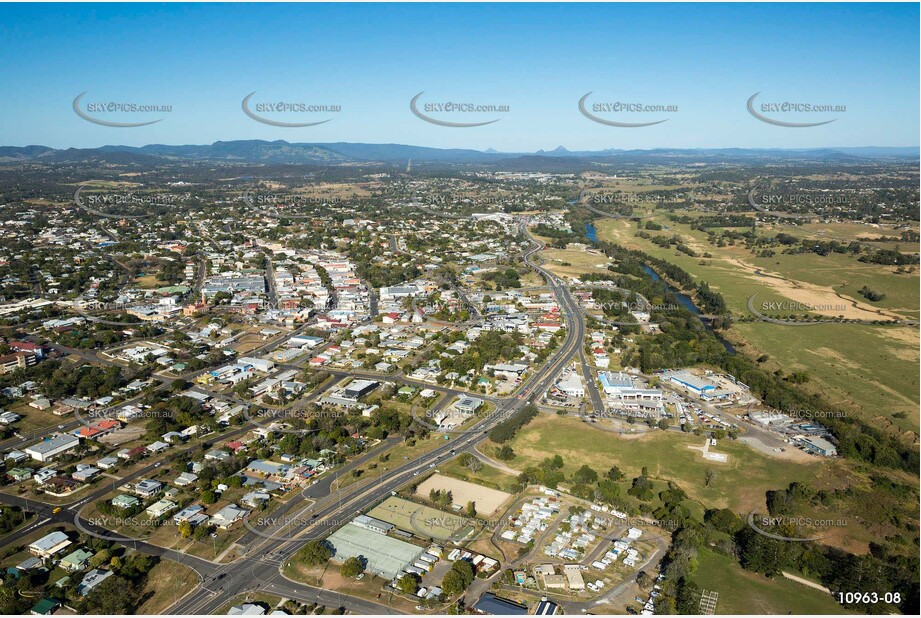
(28, 346)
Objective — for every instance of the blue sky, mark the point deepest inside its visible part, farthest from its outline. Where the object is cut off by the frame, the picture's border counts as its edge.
(538, 59)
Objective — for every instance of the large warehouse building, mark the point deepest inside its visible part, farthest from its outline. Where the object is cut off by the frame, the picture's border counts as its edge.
(385, 555)
(49, 447)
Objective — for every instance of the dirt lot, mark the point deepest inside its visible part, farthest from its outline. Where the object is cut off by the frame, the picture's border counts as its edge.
(487, 500)
(123, 436)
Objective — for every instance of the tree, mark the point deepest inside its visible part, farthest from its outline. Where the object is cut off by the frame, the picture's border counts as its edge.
(471, 509)
(352, 567)
(101, 558)
(409, 583)
(724, 520)
(208, 496)
(762, 554)
(585, 475)
(709, 477)
(505, 453)
(185, 529)
(644, 580)
(316, 552)
(458, 578)
(615, 474)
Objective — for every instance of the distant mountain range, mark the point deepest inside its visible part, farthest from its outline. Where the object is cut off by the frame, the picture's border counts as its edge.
(282, 152)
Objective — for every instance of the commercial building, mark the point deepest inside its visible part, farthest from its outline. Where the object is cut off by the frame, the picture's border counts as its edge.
(386, 556)
(359, 388)
(491, 604)
(51, 447)
(259, 364)
(375, 525)
(547, 608)
(468, 405)
(571, 385)
(819, 446)
(700, 386)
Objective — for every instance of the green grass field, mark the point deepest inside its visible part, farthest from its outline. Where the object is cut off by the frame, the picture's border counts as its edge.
(866, 370)
(486, 476)
(723, 271)
(417, 518)
(744, 592)
(869, 370)
(740, 483)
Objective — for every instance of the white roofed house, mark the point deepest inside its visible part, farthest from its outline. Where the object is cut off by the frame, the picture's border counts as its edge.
(228, 516)
(185, 478)
(157, 447)
(50, 544)
(468, 405)
(255, 499)
(161, 508)
(148, 487)
(93, 579)
(188, 513)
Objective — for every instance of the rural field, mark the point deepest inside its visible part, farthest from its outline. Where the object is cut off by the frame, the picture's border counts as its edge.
(739, 485)
(868, 370)
(744, 592)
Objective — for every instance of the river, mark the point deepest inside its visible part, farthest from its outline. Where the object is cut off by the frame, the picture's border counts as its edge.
(687, 302)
